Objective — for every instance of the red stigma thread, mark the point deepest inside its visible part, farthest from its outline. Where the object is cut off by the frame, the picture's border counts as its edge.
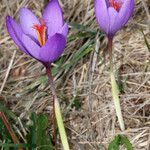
(115, 5)
(41, 32)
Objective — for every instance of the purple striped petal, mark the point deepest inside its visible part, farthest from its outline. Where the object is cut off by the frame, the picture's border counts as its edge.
(64, 30)
(112, 19)
(53, 48)
(32, 47)
(53, 18)
(15, 33)
(102, 16)
(27, 21)
(125, 13)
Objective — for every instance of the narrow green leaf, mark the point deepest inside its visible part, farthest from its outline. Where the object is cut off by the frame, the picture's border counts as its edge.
(146, 41)
(8, 113)
(85, 49)
(115, 94)
(12, 145)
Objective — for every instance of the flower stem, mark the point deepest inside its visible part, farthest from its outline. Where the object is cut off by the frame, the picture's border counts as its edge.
(57, 111)
(115, 90)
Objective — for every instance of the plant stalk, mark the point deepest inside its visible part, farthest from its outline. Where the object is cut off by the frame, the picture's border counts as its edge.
(115, 90)
(57, 111)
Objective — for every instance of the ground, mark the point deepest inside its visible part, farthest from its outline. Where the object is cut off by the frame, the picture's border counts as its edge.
(82, 79)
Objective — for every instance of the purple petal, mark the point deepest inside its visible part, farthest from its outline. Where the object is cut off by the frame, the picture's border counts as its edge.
(125, 13)
(53, 18)
(53, 48)
(102, 16)
(112, 19)
(64, 30)
(27, 21)
(15, 33)
(32, 47)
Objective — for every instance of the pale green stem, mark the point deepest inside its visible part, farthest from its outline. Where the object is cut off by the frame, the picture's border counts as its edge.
(115, 90)
(57, 110)
(60, 124)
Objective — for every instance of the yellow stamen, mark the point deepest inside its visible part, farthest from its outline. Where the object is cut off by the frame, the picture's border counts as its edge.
(41, 32)
(39, 38)
(44, 35)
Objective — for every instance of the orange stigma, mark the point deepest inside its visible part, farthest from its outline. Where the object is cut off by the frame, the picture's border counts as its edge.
(116, 5)
(41, 32)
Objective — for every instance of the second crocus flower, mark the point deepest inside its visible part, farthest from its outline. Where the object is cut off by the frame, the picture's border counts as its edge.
(112, 15)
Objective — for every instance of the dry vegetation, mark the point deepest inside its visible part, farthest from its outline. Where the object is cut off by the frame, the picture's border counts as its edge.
(94, 123)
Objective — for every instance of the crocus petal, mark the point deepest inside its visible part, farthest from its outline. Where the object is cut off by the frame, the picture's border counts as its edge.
(64, 30)
(112, 19)
(52, 17)
(27, 21)
(53, 48)
(32, 47)
(15, 33)
(102, 16)
(124, 14)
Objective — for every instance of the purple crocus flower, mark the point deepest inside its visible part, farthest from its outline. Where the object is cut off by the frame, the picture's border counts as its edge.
(112, 15)
(43, 40)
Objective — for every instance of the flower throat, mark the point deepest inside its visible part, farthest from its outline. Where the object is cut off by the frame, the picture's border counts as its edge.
(41, 32)
(115, 4)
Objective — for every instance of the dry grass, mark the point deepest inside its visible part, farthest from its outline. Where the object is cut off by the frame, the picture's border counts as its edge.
(95, 123)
